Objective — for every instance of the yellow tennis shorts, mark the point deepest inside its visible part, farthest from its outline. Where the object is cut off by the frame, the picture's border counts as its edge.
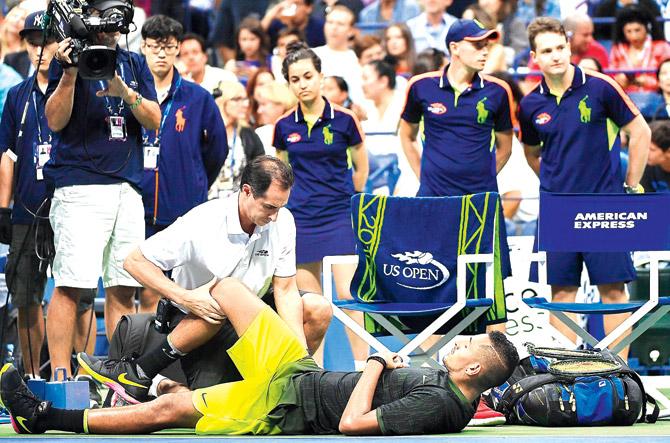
(242, 407)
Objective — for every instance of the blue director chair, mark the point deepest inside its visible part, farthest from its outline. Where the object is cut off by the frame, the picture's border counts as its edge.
(420, 257)
(583, 222)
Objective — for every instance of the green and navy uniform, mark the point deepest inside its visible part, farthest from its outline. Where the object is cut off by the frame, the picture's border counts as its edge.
(459, 129)
(580, 145)
(320, 198)
(459, 139)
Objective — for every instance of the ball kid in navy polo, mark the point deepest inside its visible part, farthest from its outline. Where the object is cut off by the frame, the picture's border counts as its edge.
(460, 125)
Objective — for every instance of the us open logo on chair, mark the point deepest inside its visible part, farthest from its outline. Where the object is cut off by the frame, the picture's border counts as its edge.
(419, 268)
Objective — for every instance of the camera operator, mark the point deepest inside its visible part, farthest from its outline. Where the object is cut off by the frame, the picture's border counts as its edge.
(96, 168)
(21, 177)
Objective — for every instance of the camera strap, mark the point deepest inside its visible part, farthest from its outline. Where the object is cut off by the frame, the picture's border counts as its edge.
(41, 152)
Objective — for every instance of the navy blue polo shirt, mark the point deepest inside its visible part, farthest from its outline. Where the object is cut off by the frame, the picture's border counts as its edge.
(579, 133)
(320, 162)
(29, 193)
(459, 129)
(82, 153)
(193, 148)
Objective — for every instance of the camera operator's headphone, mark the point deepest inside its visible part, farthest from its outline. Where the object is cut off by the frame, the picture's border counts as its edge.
(126, 6)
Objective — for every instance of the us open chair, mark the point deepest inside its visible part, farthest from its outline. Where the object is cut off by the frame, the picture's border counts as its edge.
(606, 223)
(420, 257)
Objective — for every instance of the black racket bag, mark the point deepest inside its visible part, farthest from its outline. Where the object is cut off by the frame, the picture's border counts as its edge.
(557, 387)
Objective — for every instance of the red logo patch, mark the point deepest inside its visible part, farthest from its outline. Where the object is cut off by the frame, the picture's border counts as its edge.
(437, 108)
(543, 119)
(293, 138)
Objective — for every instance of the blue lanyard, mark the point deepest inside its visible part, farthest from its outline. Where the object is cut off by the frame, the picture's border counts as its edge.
(166, 112)
(39, 125)
(232, 153)
(109, 104)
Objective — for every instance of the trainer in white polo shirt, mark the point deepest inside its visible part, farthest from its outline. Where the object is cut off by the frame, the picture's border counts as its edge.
(209, 242)
(248, 236)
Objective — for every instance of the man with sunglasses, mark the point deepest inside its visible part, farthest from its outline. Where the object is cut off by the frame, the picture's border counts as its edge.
(184, 156)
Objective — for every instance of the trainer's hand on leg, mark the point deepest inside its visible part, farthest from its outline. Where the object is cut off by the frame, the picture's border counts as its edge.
(200, 302)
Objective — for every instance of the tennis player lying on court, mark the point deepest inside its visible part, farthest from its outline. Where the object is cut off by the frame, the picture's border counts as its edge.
(284, 391)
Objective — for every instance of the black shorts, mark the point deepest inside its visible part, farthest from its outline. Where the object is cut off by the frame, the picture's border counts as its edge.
(210, 364)
(25, 280)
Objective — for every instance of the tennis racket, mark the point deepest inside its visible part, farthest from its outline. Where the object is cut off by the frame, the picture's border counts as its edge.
(583, 368)
(564, 354)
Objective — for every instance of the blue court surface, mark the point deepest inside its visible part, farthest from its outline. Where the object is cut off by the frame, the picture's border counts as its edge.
(658, 432)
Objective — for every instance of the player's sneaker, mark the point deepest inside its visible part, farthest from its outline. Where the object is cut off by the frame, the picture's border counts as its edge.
(25, 409)
(121, 376)
(485, 416)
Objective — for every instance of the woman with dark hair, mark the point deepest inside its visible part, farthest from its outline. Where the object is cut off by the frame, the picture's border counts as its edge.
(320, 140)
(336, 90)
(429, 60)
(634, 49)
(260, 77)
(399, 44)
(252, 48)
(591, 63)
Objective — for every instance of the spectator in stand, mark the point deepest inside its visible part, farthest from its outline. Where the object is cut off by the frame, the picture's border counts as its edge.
(391, 11)
(527, 10)
(252, 49)
(169, 8)
(10, 40)
(656, 176)
(610, 8)
(513, 29)
(590, 63)
(294, 14)
(429, 60)
(286, 36)
(274, 100)
(322, 7)
(194, 67)
(336, 57)
(383, 108)
(229, 15)
(660, 108)
(582, 44)
(368, 48)
(261, 77)
(243, 142)
(336, 90)
(399, 44)
(634, 49)
(429, 29)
